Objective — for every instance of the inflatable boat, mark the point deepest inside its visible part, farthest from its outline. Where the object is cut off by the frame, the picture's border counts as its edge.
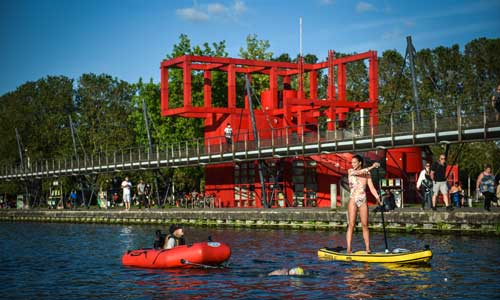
(206, 254)
(397, 256)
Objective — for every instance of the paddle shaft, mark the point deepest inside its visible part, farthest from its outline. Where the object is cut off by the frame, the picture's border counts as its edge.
(383, 226)
(382, 212)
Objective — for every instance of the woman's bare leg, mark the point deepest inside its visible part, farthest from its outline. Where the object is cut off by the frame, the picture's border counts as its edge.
(363, 216)
(352, 210)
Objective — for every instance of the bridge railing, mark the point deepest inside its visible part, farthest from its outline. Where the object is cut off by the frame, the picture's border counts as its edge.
(190, 152)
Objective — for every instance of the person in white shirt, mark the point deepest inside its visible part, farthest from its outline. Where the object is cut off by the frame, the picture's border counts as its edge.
(126, 185)
(228, 134)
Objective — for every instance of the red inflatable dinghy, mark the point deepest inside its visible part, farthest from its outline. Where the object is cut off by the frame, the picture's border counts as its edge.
(195, 255)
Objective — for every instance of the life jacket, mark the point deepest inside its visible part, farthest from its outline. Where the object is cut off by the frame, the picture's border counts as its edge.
(178, 241)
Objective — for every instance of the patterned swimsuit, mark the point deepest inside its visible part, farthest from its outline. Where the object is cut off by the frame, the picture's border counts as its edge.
(357, 183)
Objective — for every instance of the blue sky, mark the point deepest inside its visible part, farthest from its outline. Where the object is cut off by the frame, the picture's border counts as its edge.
(129, 38)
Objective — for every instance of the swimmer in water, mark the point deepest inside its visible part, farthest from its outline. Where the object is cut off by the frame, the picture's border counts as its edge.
(296, 271)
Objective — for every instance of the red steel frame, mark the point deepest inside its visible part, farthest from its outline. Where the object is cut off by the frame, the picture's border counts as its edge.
(294, 105)
(294, 111)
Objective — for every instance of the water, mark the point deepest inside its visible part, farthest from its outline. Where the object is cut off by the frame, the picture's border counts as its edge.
(79, 261)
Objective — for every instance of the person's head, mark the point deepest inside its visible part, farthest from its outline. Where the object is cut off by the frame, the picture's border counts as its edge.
(228, 124)
(296, 271)
(141, 181)
(176, 230)
(498, 88)
(456, 183)
(427, 165)
(442, 159)
(357, 161)
(487, 168)
(126, 178)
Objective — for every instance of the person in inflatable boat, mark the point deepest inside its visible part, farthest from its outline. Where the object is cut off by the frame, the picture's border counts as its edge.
(175, 238)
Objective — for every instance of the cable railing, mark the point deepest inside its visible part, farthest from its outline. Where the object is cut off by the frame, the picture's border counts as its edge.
(352, 134)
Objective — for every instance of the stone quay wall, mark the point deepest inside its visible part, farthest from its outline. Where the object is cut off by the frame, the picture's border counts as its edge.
(463, 221)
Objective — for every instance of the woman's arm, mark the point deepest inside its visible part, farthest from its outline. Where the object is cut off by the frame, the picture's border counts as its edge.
(421, 178)
(373, 190)
(365, 170)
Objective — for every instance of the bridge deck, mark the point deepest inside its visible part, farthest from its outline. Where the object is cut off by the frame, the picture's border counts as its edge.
(284, 142)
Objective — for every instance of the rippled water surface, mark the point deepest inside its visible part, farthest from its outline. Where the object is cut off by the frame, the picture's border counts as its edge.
(77, 261)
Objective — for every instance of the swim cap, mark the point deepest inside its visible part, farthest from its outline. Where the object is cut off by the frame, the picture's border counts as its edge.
(296, 271)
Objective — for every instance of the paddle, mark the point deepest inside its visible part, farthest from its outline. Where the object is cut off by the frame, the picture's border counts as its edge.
(383, 226)
(187, 262)
(382, 208)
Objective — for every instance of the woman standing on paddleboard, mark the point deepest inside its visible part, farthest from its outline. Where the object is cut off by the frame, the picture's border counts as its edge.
(359, 177)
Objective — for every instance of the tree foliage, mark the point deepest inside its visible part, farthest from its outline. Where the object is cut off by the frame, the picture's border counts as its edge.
(107, 112)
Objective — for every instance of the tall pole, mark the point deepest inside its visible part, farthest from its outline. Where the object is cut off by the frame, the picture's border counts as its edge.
(256, 138)
(301, 64)
(21, 157)
(300, 37)
(146, 123)
(73, 137)
(150, 143)
(410, 51)
(19, 148)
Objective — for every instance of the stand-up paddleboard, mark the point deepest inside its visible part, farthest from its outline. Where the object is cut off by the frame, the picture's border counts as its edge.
(398, 256)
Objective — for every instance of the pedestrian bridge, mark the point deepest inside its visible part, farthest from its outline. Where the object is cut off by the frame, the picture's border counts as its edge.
(396, 130)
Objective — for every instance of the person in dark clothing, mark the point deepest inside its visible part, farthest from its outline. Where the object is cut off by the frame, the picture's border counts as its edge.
(438, 175)
(424, 184)
(159, 240)
(486, 185)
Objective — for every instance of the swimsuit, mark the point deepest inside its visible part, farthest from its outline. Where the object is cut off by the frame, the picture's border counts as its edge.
(358, 187)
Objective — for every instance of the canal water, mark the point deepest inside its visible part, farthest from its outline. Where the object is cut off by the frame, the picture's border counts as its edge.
(81, 261)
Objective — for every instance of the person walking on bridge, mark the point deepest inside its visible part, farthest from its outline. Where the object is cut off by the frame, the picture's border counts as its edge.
(439, 184)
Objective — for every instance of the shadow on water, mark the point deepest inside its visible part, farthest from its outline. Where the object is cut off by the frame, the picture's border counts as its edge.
(77, 261)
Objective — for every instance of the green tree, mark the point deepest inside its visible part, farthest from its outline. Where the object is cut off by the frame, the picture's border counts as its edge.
(104, 105)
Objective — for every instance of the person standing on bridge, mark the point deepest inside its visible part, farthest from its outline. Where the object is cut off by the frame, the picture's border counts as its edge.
(126, 186)
(438, 175)
(228, 134)
(359, 178)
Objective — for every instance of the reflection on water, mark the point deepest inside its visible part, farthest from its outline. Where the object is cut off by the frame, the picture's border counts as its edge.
(81, 261)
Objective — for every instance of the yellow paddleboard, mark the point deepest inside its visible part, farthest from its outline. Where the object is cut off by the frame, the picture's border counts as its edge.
(403, 257)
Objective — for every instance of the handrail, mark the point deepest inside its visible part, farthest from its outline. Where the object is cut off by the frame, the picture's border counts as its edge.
(280, 142)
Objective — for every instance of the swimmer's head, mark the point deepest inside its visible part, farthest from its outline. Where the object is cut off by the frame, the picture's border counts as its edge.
(296, 271)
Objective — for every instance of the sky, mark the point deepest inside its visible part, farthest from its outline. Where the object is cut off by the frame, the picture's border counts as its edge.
(128, 39)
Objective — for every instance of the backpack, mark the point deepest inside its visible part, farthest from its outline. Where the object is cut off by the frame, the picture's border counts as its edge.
(159, 240)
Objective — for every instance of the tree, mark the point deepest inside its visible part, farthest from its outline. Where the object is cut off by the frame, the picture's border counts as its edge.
(104, 105)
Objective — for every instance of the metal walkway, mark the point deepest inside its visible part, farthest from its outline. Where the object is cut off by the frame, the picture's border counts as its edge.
(357, 136)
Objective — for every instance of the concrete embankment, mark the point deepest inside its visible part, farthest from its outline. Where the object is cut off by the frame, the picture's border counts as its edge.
(464, 221)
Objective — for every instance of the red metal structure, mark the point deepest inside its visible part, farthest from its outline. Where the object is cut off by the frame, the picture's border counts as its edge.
(283, 111)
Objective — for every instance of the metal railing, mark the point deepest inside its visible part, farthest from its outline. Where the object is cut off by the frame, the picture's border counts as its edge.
(394, 130)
